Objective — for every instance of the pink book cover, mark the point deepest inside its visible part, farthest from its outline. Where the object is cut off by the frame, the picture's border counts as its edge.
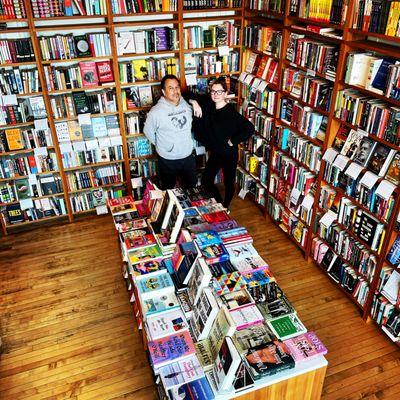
(89, 73)
(120, 200)
(305, 347)
(164, 350)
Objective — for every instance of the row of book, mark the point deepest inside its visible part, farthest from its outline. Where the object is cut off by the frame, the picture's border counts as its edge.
(66, 8)
(24, 139)
(376, 74)
(86, 74)
(16, 51)
(277, 6)
(263, 38)
(34, 209)
(91, 199)
(19, 81)
(263, 67)
(332, 11)
(99, 127)
(377, 16)
(210, 63)
(209, 306)
(149, 69)
(141, 6)
(313, 55)
(12, 9)
(226, 34)
(26, 188)
(337, 268)
(313, 91)
(249, 183)
(65, 47)
(205, 4)
(70, 105)
(140, 147)
(40, 162)
(95, 177)
(146, 40)
(146, 168)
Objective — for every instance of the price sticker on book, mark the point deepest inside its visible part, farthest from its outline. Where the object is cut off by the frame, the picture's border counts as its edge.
(223, 50)
(242, 193)
(41, 124)
(310, 72)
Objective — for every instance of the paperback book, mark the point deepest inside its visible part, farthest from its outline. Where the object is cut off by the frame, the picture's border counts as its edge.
(305, 347)
(287, 326)
(165, 324)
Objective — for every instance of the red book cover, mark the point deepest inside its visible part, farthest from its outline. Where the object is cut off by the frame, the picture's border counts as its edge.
(104, 71)
(261, 67)
(89, 73)
(218, 216)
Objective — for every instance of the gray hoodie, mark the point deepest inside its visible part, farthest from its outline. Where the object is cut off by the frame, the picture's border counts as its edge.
(169, 128)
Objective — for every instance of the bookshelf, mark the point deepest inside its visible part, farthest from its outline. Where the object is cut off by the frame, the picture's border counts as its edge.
(70, 52)
(344, 195)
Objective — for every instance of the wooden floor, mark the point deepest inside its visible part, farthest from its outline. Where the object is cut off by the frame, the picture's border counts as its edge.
(68, 330)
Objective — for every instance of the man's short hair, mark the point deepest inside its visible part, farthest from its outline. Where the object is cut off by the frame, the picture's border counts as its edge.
(169, 76)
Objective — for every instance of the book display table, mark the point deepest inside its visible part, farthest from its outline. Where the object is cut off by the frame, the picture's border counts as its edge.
(214, 321)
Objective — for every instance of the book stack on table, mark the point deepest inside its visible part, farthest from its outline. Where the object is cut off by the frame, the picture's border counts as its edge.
(215, 321)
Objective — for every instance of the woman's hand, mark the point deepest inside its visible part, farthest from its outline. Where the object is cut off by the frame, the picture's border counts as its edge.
(197, 111)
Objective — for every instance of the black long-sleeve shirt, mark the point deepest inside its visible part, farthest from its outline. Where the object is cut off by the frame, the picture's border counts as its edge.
(216, 127)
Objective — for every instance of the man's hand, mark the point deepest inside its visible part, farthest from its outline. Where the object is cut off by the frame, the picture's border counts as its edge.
(197, 111)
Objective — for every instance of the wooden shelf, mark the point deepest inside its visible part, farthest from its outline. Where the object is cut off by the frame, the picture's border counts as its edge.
(150, 54)
(215, 9)
(27, 176)
(144, 14)
(138, 83)
(378, 47)
(70, 18)
(75, 60)
(316, 35)
(17, 124)
(91, 116)
(17, 64)
(122, 183)
(262, 53)
(82, 89)
(34, 198)
(12, 226)
(69, 27)
(310, 21)
(315, 141)
(394, 39)
(23, 151)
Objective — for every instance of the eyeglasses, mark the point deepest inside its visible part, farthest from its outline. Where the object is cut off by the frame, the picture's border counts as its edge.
(218, 92)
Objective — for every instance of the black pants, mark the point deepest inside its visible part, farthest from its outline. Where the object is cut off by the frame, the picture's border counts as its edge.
(228, 163)
(170, 170)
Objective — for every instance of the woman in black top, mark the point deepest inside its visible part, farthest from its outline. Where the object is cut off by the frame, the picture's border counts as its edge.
(220, 129)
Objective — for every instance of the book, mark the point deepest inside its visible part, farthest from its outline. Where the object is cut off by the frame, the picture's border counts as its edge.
(14, 139)
(170, 348)
(380, 159)
(181, 372)
(159, 304)
(276, 308)
(155, 284)
(394, 252)
(287, 326)
(228, 283)
(198, 389)
(144, 254)
(165, 324)
(200, 278)
(364, 151)
(246, 316)
(237, 299)
(305, 347)
(89, 73)
(268, 359)
(104, 71)
(393, 172)
(253, 336)
(223, 373)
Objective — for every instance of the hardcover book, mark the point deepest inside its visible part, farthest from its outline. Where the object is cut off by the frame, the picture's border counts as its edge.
(228, 283)
(253, 336)
(246, 316)
(305, 346)
(393, 173)
(159, 304)
(89, 73)
(104, 71)
(155, 284)
(237, 299)
(144, 254)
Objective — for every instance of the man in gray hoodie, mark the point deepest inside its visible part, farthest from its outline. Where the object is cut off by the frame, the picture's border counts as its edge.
(169, 127)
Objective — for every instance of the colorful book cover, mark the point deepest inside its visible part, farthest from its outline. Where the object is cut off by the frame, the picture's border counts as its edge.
(126, 226)
(159, 304)
(258, 277)
(144, 254)
(180, 372)
(228, 283)
(165, 324)
(147, 267)
(253, 336)
(14, 139)
(246, 316)
(89, 73)
(154, 284)
(268, 359)
(164, 350)
(219, 216)
(276, 308)
(237, 299)
(138, 238)
(104, 71)
(287, 326)
(198, 389)
(305, 347)
(207, 238)
(215, 253)
(126, 204)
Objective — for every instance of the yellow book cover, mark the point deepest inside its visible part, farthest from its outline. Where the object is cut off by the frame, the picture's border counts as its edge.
(253, 164)
(140, 70)
(74, 130)
(14, 139)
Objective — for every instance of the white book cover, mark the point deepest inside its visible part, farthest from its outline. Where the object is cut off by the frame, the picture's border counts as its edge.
(62, 132)
(246, 316)
(199, 279)
(166, 323)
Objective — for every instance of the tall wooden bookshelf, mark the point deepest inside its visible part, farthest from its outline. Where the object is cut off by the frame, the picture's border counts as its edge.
(39, 22)
(369, 275)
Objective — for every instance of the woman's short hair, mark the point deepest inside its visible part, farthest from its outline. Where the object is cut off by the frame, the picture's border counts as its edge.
(219, 81)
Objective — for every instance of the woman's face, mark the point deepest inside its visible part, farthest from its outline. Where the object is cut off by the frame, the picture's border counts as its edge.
(218, 93)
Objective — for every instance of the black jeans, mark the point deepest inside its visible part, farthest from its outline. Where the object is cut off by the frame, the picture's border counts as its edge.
(170, 170)
(228, 163)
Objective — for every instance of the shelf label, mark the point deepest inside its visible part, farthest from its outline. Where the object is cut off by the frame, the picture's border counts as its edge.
(10, 100)
(156, 194)
(136, 182)
(100, 210)
(191, 79)
(40, 151)
(26, 203)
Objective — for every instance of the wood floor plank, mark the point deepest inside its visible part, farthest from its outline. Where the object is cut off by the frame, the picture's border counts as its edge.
(69, 332)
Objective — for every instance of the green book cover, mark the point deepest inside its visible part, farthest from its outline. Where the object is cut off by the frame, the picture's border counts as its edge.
(287, 326)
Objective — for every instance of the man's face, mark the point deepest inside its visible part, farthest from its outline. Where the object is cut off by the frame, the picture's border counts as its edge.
(172, 91)
(363, 151)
